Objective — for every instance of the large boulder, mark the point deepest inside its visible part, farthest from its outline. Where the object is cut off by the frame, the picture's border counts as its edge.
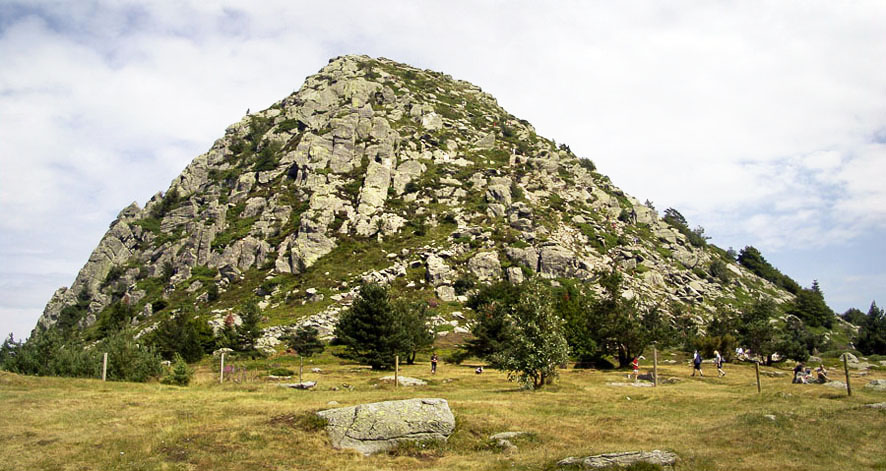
(485, 266)
(370, 428)
(876, 385)
(622, 460)
(438, 271)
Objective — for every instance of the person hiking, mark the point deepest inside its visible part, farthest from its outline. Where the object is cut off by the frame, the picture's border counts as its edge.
(718, 362)
(635, 365)
(696, 363)
(434, 363)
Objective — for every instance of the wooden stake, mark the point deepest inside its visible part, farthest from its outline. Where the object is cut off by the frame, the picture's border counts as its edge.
(301, 364)
(757, 369)
(846, 370)
(396, 370)
(105, 367)
(654, 367)
(221, 370)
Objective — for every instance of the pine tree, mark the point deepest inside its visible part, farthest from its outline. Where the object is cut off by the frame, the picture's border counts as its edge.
(872, 335)
(370, 330)
(413, 319)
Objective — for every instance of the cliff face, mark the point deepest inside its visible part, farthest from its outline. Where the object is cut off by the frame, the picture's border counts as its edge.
(379, 171)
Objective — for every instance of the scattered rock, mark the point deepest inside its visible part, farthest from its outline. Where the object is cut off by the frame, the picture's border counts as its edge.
(770, 417)
(878, 405)
(623, 459)
(445, 293)
(370, 428)
(635, 385)
(835, 384)
(876, 385)
(403, 380)
(503, 439)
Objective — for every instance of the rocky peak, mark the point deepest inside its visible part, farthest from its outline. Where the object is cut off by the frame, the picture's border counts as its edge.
(378, 170)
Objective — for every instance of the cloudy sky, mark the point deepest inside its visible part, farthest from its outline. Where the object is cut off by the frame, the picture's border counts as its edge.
(763, 122)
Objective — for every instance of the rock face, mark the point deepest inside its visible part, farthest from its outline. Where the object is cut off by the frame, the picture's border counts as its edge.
(368, 158)
(624, 459)
(370, 428)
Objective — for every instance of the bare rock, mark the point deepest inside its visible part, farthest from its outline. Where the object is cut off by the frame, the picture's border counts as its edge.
(485, 266)
(876, 385)
(623, 460)
(370, 428)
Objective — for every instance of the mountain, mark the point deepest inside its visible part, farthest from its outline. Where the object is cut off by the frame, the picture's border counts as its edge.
(375, 170)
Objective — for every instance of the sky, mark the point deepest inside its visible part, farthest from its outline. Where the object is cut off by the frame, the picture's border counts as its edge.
(763, 122)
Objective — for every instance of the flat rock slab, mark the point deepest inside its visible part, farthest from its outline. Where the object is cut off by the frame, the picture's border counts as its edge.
(878, 405)
(876, 385)
(302, 385)
(635, 385)
(835, 384)
(403, 380)
(370, 428)
(623, 459)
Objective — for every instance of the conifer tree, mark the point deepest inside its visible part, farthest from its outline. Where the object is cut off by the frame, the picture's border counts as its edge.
(371, 330)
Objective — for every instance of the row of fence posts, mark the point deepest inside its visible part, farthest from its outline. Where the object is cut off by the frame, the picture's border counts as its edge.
(221, 370)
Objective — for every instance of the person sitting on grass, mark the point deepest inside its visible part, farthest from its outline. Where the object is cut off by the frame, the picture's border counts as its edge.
(799, 374)
(822, 373)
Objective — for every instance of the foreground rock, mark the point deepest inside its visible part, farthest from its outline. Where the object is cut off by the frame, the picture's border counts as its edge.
(624, 459)
(370, 428)
(878, 405)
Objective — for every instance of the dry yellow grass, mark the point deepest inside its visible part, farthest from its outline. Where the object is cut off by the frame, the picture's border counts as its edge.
(711, 423)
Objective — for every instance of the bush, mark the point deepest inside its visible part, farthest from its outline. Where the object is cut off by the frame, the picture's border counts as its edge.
(839, 353)
(462, 285)
(281, 372)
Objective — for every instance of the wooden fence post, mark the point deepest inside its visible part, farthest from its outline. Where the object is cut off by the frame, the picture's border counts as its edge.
(396, 371)
(846, 370)
(105, 367)
(654, 367)
(221, 370)
(301, 364)
(757, 369)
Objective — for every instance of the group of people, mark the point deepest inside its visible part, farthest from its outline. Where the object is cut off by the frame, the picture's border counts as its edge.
(803, 374)
(697, 361)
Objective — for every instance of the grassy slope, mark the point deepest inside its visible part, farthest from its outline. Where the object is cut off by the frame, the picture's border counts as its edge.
(64, 424)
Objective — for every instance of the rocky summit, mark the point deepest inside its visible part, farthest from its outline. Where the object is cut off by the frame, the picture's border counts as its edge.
(377, 171)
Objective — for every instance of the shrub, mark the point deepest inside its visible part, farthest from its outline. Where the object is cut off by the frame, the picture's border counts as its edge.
(463, 285)
(281, 372)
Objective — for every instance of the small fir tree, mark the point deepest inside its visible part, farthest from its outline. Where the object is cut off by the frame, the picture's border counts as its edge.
(306, 342)
(179, 374)
(370, 330)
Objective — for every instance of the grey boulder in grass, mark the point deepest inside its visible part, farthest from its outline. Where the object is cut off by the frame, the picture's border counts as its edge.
(379, 426)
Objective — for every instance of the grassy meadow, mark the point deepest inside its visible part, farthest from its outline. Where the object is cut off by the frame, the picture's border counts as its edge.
(711, 423)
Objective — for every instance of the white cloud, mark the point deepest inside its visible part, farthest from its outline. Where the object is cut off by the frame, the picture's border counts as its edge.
(754, 119)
